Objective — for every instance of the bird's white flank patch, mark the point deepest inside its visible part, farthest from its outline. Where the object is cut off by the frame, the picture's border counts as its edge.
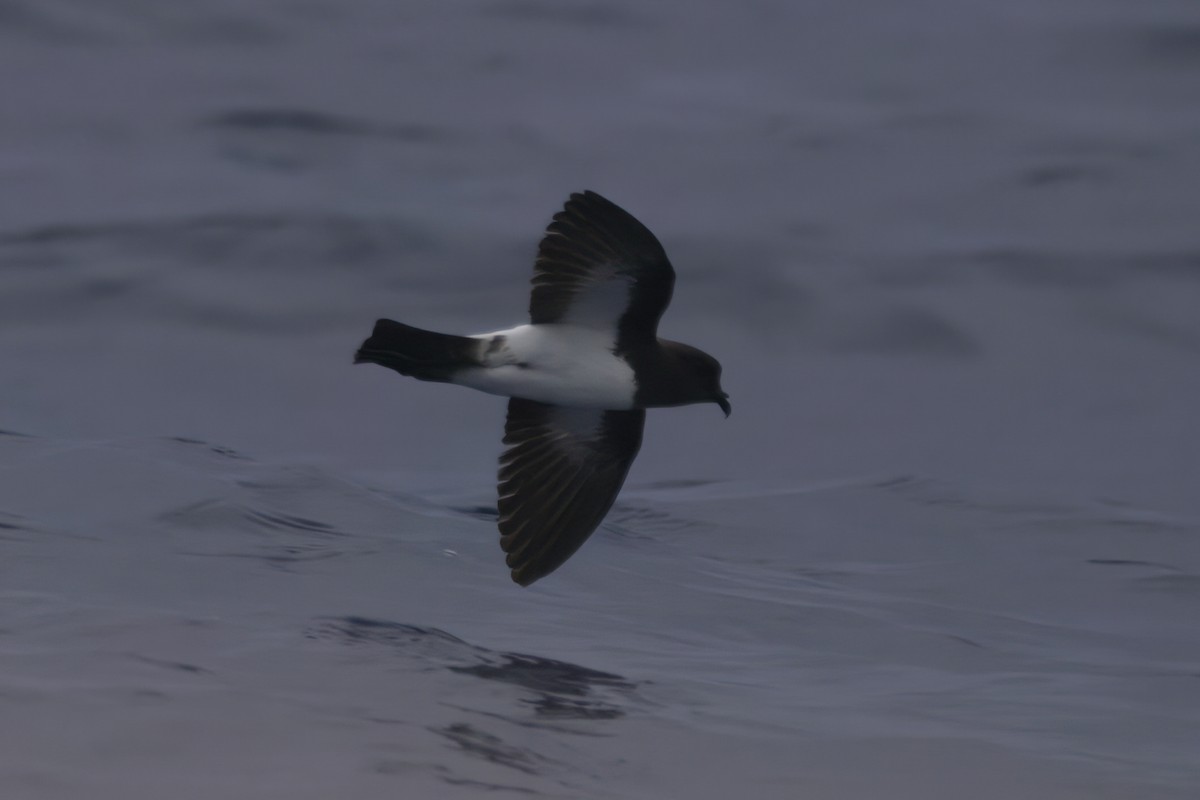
(564, 365)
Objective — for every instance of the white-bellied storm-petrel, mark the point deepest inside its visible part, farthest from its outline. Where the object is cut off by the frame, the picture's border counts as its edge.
(579, 377)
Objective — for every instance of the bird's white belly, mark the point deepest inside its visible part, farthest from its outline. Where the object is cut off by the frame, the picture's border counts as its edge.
(560, 364)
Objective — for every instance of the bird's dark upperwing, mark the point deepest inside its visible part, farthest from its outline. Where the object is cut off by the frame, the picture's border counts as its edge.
(558, 478)
(599, 267)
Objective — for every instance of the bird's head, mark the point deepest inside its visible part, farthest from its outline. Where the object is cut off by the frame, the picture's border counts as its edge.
(704, 373)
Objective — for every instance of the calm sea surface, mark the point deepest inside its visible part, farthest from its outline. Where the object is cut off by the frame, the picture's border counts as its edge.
(947, 546)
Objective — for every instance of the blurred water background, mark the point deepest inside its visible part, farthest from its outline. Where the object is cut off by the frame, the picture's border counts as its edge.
(946, 546)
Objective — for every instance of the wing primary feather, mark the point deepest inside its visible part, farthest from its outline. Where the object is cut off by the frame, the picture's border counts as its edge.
(588, 245)
(558, 479)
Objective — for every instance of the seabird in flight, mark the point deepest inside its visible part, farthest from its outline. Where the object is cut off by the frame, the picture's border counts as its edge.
(579, 377)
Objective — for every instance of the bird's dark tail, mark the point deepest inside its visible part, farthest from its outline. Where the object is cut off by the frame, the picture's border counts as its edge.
(422, 354)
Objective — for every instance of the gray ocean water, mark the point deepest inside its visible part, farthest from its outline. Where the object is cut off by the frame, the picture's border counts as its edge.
(947, 546)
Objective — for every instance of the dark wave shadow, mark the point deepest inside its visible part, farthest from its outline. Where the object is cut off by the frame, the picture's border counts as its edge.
(219, 241)
(558, 690)
(585, 15)
(318, 123)
(220, 528)
(221, 450)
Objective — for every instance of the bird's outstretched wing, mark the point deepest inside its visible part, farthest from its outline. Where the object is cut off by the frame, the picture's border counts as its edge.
(598, 267)
(558, 478)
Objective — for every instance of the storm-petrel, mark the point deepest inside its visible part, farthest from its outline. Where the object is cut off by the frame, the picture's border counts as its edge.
(578, 377)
